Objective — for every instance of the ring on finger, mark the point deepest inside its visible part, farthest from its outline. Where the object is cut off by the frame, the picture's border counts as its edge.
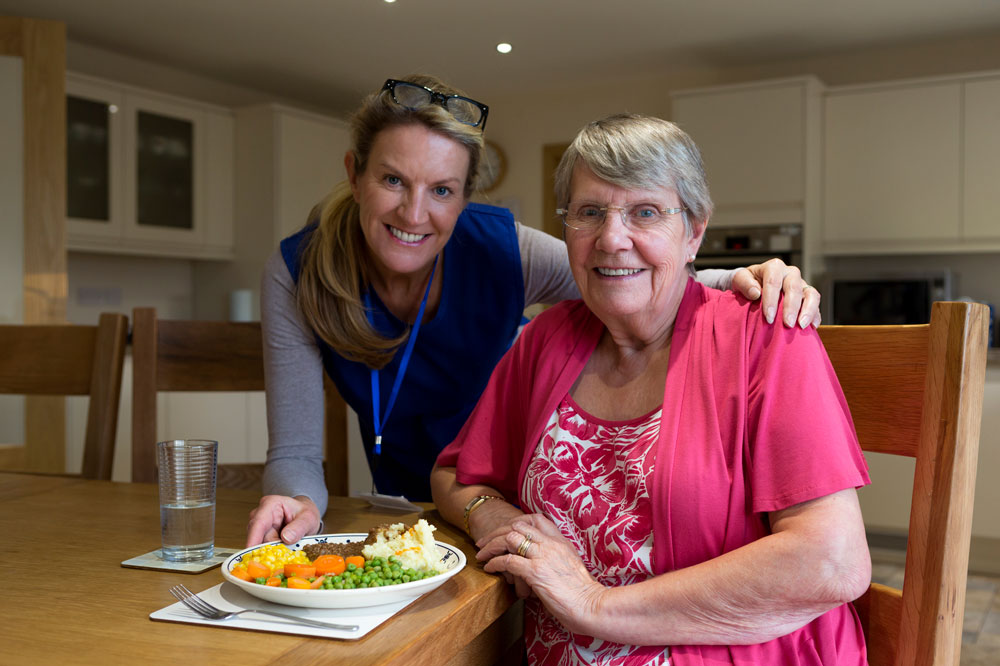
(522, 550)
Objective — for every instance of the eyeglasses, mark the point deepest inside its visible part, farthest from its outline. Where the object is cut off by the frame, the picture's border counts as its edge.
(589, 216)
(412, 96)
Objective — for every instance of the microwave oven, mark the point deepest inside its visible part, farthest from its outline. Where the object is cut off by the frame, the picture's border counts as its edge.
(863, 298)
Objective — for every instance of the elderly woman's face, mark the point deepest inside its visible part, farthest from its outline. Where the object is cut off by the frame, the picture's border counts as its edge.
(626, 272)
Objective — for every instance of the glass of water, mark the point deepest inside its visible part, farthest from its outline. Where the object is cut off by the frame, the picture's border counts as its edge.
(187, 469)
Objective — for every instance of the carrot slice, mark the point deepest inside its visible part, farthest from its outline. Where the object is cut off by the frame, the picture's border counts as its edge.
(357, 561)
(330, 564)
(241, 574)
(318, 583)
(301, 570)
(273, 581)
(258, 570)
(297, 583)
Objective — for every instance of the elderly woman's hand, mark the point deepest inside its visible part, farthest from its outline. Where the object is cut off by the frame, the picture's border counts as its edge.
(546, 563)
(801, 300)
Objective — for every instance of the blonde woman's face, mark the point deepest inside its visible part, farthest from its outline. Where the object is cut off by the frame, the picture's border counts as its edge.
(410, 195)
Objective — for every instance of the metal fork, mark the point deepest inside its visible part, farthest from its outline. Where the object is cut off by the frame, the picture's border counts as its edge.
(205, 609)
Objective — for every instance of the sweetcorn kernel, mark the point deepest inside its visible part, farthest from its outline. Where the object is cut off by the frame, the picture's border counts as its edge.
(274, 556)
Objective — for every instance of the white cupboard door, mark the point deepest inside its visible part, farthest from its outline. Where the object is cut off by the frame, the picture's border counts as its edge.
(310, 161)
(752, 141)
(94, 154)
(892, 166)
(219, 185)
(982, 160)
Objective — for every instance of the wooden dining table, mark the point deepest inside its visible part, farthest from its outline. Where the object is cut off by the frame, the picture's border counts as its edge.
(66, 598)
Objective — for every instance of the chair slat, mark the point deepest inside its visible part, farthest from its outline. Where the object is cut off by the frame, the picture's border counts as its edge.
(209, 356)
(881, 371)
(38, 359)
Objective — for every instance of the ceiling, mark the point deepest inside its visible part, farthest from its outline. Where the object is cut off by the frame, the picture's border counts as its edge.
(328, 53)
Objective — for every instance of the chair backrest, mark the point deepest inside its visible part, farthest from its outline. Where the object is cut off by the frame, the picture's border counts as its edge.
(70, 359)
(918, 391)
(175, 355)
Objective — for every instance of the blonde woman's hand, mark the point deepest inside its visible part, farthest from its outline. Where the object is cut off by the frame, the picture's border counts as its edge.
(285, 518)
(773, 279)
(536, 553)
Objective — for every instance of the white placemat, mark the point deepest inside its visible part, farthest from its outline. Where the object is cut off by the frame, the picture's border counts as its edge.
(229, 597)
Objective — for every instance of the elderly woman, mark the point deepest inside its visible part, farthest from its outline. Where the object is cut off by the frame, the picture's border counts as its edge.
(407, 295)
(668, 477)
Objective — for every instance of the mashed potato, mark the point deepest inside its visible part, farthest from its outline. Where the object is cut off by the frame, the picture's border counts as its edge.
(414, 546)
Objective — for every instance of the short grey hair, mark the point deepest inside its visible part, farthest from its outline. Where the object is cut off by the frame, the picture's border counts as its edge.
(636, 151)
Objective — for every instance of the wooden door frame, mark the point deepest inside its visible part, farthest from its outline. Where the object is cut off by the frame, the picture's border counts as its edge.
(41, 45)
(551, 154)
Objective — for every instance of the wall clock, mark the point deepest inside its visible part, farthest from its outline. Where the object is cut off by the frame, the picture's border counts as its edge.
(492, 168)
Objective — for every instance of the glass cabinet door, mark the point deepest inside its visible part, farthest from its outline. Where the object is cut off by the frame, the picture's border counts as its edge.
(164, 155)
(88, 159)
(164, 171)
(93, 159)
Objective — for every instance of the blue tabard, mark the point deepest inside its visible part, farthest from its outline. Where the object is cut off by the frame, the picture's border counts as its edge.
(476, 321)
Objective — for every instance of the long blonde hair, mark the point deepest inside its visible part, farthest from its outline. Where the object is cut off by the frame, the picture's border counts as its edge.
(335, 268)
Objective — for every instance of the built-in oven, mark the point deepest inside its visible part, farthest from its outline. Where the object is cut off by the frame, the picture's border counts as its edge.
(733, 247)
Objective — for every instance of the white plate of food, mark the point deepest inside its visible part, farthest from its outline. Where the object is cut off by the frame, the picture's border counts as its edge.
(393, 588)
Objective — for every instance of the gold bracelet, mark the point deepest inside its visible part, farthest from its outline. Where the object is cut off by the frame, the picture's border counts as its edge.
(475, 503)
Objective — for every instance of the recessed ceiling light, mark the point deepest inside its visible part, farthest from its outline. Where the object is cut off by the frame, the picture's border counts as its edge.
(504, 47)
(390, 1)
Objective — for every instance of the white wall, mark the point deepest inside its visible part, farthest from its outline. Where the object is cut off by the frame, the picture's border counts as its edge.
(117, 283)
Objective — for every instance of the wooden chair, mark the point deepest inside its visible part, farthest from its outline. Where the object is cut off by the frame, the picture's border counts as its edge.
(58, 359)
(174, 355)
(918, 391)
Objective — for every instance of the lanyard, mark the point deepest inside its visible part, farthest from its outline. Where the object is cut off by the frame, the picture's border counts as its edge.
(403, 362)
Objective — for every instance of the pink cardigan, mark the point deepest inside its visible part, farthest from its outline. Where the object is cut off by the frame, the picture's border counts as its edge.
(753, 421)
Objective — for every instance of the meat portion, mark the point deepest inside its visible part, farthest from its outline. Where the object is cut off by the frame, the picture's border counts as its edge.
(314, 550)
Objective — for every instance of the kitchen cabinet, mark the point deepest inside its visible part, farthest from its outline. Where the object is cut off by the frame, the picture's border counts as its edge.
(760, 143)
(287, 161)
(912, 166)
(147, 173)
(981, 196)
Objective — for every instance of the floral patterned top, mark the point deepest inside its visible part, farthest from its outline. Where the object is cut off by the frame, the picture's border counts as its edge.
(589, 476)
